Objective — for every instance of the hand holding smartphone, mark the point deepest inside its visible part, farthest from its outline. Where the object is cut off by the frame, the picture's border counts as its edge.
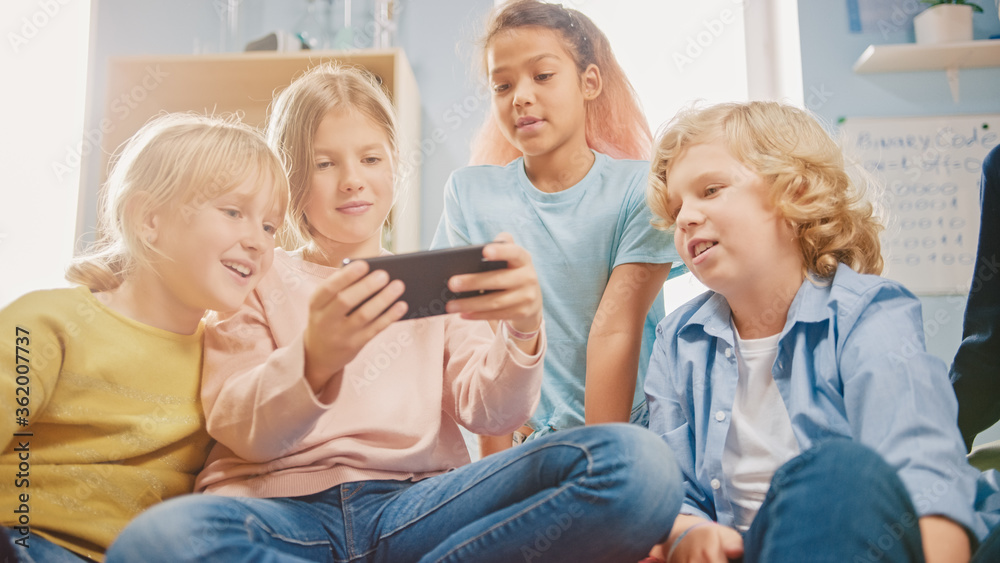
(425, 275)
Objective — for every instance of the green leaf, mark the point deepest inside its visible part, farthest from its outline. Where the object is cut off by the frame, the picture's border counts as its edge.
(975, 7)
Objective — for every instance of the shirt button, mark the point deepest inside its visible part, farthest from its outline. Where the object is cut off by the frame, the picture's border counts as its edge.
(716, 484)
(720, 416)
(729, 352)
(781, 365)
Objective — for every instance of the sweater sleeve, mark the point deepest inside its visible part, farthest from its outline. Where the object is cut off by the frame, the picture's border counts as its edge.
(31, 358)
(257, 401)
(490, 386)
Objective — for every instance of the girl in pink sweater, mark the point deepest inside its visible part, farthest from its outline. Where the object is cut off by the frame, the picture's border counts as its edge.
(338, 430)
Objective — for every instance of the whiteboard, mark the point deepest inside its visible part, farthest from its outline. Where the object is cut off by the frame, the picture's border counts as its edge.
(928, 171)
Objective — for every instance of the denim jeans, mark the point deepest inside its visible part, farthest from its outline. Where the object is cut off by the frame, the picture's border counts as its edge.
(41, 550)
(838, 502)
(599, 493)
(639, 416)
(989, 550)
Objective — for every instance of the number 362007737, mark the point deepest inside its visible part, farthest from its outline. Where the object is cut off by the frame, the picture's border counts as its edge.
(22, 365)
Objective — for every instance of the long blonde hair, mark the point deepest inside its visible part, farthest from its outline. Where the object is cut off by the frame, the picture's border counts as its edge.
(173, 160)
(615, 122)
(804, 167)
(295, 116)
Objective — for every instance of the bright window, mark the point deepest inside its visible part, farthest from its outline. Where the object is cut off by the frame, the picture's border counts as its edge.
(679, 53)
(675, 52)
(45, 63)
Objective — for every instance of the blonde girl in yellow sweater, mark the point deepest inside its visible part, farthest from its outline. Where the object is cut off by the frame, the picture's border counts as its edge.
(100, 382)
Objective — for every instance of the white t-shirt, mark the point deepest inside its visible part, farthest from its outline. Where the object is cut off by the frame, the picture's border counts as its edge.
(760, 435)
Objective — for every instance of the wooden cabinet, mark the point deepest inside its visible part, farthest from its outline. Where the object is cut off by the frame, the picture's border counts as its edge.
(139, 87)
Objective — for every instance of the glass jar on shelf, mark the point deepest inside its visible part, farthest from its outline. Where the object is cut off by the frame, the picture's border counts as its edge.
(315, 27)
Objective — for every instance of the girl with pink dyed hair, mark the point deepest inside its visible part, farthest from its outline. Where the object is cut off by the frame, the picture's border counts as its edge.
(550, 166)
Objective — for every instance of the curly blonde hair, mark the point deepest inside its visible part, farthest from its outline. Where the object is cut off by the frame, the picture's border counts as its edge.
(804, 167)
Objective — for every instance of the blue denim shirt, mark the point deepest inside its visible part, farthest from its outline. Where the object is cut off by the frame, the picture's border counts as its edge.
(851, 363)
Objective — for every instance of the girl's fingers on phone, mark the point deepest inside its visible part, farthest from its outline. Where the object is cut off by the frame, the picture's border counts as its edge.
(506, 314)
(480, 281)
(330, 288)
(391, 315)
(365, 288)
(377, 306)
(515, 255)
(500, 280)
(508, 304)
(356, 293)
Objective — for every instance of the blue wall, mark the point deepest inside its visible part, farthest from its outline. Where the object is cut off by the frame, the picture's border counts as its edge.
(832, 90)
(440, 42)
(437, 35)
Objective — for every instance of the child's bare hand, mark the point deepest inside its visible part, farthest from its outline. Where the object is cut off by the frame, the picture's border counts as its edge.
(334, 335)
(518, 298)
(708, 544)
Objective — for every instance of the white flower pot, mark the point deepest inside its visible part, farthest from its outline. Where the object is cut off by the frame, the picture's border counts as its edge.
(944, 23)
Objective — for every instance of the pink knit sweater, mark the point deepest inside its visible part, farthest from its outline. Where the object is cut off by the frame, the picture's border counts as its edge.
(394, 414)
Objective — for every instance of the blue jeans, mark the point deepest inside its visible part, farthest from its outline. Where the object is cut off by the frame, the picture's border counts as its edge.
(595, 494)
(989, 550)
(838, 502)
(639, 416)
(41, 550)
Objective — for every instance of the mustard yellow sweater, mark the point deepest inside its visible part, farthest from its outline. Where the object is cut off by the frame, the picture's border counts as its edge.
(100, 418)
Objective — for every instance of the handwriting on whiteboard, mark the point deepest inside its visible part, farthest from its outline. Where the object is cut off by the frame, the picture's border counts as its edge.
(930, 168)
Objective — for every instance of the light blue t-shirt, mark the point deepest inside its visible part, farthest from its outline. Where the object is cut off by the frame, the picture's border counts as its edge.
(576, 237)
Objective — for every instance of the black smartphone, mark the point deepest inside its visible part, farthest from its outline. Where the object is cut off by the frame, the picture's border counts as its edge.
(426, 275)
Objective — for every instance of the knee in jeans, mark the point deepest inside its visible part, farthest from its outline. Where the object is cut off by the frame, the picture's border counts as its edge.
(173, 522)
(833, 459)
(646, 453)
(646, 467)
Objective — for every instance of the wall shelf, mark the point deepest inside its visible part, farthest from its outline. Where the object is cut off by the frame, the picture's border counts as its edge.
(908, 57)
(949, 57)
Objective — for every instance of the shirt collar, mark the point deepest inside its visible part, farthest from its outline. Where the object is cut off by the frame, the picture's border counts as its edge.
(812, 302)
(713, 316)
(810, 305)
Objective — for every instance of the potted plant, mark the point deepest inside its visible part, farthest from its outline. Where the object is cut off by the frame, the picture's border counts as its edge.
(945, 21)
